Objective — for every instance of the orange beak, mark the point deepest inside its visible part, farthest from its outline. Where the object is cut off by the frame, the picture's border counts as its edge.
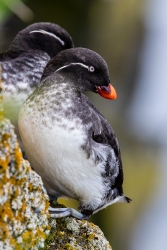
(107, 92)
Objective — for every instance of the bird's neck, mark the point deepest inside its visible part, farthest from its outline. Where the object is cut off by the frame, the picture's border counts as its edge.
(67, 81)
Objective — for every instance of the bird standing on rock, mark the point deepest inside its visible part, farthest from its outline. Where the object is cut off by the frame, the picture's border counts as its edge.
(67, 141)
(23, 63)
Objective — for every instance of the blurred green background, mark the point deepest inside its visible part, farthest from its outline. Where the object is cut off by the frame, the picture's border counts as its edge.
(115, 29)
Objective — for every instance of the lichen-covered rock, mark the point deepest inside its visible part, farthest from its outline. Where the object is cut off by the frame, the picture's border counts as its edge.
(23, 201)
(72, 234)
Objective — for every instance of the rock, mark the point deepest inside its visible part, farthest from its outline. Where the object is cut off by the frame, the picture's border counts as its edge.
(73, 234)
(23, 200)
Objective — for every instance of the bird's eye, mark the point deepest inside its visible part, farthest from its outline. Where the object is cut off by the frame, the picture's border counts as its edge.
(91, 69)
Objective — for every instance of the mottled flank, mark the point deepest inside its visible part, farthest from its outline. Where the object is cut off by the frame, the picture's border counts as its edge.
(23, 201)
(19, 79)
(22, 74)
(69, 233)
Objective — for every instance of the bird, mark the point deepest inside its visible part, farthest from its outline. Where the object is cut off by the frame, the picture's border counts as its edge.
(23, 63)
(68, 142)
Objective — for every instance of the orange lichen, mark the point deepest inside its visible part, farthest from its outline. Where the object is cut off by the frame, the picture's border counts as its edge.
(23, 202)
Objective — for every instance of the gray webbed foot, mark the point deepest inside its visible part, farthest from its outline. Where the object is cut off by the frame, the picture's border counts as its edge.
(63, 212)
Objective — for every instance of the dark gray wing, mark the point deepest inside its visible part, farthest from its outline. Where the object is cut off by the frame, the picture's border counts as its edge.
(102, 142)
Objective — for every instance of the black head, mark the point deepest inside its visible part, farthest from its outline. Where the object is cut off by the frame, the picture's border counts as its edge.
(47, 37)
(83, 66)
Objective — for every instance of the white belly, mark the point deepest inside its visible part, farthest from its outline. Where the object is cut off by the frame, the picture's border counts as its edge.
(57, 156)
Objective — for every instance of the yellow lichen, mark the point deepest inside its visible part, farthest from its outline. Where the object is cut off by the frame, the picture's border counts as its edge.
(23, 202)
(69, 247)
(91, 236)
(72, 234)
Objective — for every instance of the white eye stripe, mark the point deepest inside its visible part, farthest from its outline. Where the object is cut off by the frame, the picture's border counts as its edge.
(81, 64)
(48, 33)
(89, 68)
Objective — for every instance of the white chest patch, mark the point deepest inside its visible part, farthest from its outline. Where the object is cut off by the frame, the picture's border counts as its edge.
(57, 156)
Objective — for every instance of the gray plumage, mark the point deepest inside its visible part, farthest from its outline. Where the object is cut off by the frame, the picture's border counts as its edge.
(68, 142)
(23, 63)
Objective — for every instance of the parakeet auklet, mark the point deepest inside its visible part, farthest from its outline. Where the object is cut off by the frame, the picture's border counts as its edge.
(23, 63)
(67, 141)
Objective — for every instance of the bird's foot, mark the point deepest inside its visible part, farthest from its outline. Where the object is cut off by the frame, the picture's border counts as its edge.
(63, 212)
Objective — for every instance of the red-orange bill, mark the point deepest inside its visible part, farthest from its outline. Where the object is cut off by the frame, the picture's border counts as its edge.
(107, 92)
